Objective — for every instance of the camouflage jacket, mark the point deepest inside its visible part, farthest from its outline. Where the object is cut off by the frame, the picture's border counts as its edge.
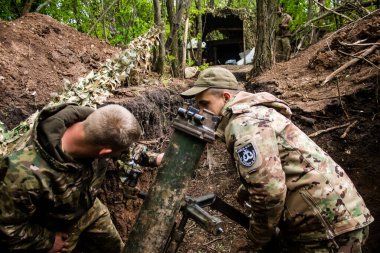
(44, 190)
(292, 183)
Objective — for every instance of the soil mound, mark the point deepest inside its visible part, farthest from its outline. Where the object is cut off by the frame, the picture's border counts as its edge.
(37, 54)
(299, 80)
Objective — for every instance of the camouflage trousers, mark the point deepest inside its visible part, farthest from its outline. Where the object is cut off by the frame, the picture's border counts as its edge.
(283, 49)
(95, 232)
(350, 242)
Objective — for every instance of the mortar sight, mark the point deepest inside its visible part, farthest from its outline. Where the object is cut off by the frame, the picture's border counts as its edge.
(199, 124)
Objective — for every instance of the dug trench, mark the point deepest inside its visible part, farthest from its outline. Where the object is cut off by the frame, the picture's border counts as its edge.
(26, 67)
(358, 153)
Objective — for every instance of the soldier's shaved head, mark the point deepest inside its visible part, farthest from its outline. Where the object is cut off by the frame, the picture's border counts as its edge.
(112, 126)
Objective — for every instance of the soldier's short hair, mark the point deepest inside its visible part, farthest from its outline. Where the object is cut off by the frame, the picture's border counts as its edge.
(112, 126)
(219, 92)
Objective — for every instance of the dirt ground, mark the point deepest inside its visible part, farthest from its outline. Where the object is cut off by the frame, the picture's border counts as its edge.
(38, 53)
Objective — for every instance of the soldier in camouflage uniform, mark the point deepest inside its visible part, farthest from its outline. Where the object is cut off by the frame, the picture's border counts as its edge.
(48, 190)
(289, 182)
(283, 34)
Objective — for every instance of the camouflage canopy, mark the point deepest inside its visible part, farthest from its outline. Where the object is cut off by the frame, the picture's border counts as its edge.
(247, 17)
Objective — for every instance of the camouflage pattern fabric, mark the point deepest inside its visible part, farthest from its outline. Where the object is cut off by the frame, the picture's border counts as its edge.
(291, 182)
(283, 47)
(351, 242)
(96, 231)
(44, 191)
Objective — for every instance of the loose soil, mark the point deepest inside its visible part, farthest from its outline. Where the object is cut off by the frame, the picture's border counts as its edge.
(38, 53)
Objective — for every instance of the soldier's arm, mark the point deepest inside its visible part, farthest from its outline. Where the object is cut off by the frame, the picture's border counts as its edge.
(16, 208)
(255, 151)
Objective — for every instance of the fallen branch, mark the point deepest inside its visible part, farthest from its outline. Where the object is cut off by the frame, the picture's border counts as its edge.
(212, 241)
(358, 43)
(348, 129)
(328, 130)
(149, 142)
(348, 64)
(354, 56)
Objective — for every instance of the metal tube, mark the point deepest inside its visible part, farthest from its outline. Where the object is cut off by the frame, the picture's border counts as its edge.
(157, 214)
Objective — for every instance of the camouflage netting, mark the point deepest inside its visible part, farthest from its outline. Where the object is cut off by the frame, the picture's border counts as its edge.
(249, 23)
(95, 88)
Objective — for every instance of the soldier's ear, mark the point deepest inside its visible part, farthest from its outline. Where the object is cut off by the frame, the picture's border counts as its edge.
(227, 96)
(105, 151)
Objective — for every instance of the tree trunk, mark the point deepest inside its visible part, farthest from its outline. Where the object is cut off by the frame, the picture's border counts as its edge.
(172, 42)
(27, 6)
(160, 64)
(265, 36)
(74, 4)
(184, 45)
(310, 15)
(200, 33)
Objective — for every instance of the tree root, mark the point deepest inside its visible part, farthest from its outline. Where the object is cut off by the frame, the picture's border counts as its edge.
(328, 130)
(344, 135)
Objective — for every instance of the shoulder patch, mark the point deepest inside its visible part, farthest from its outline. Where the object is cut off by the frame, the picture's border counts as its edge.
(247, 155)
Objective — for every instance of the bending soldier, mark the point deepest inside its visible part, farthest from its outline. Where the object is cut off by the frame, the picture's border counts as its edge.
(288, 180)
(48, 194)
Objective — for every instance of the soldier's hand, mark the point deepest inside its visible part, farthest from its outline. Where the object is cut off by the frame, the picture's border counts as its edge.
(139, 154)
(159, 159)
(60, 245)
(242, 195)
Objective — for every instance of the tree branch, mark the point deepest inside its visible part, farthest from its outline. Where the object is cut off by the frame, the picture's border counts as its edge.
(43, 5)
(102, 15)
(332, 10)
(348, 64)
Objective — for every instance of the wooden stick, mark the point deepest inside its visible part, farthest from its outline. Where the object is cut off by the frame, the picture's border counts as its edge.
(348, 129)
(328, 130)
(212, 241)
(357, 44)
(349, 63)
(340, 51)
(148, 142)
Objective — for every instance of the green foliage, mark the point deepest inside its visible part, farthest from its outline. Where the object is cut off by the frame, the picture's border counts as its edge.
(119, 22)
(203, 66)
(298, 9)
(12, 9)
(190, 62)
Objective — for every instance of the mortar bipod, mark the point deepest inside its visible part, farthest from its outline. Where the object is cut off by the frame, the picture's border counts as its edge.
(193, 209)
